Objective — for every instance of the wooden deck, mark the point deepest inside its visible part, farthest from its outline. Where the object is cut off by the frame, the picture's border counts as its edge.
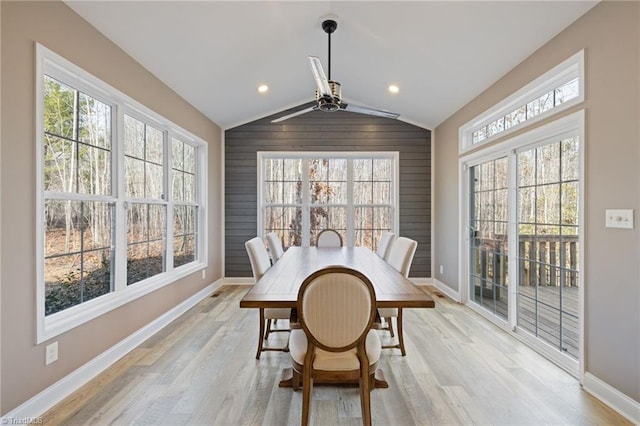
(557, 317)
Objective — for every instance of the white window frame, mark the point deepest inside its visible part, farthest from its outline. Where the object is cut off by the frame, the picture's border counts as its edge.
(565, 72)
(55, 66)
(348, 155)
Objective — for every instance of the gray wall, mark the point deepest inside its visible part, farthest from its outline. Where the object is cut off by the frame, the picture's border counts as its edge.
(319, 131)
(610, 35)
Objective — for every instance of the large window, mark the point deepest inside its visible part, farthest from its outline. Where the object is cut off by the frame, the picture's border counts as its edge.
(353, 193)
(107, 218)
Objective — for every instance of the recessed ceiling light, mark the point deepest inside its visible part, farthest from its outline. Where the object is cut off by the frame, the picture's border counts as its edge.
(263, 88)
(393, 88)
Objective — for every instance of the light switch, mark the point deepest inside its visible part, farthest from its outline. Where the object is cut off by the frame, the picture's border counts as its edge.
(619, 218)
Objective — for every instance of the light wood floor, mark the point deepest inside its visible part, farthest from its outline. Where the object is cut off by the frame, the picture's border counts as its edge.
(459, 369)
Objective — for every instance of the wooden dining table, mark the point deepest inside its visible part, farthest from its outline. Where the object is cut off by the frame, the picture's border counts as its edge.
(278, 287)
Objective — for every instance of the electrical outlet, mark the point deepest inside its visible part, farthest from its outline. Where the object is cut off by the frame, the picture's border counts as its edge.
(204, 274)
(51, 353)
(441, 269)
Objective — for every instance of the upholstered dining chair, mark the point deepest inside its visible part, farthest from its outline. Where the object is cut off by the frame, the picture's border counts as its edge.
(275, 246)
(384, 244)
(335, 344)
(260, 263)
(329, 238)
(400, 257)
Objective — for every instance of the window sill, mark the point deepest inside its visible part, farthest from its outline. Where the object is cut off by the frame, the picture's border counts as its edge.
(60, 322)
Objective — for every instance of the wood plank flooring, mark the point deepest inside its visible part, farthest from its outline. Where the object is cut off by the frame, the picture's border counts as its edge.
(459, 369)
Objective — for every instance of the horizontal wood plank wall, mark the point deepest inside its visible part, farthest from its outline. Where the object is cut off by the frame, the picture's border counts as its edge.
(319, 131)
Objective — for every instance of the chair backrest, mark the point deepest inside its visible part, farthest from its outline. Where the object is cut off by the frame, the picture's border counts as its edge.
(258, 256)
(384, 244)
(336, 308)
(329, 238)
(275, 246)
(401, 255)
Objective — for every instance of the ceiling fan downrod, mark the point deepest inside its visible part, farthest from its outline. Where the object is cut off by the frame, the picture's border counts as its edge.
(329, 26)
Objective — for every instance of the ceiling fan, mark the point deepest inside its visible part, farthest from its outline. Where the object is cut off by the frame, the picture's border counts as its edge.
(329, 92)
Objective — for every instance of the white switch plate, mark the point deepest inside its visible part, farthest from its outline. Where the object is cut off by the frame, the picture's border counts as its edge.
(51, 353)
(619, 218)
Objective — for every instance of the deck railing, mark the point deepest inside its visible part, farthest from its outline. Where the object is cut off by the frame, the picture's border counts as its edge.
(543, 260)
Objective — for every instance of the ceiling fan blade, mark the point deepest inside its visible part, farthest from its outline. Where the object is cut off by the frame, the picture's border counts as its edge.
(320, 77)
(369, 111)
(295, 114)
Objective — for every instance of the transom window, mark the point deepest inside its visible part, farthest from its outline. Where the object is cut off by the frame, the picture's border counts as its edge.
(107, 218)
(554, 91)
(304, 193)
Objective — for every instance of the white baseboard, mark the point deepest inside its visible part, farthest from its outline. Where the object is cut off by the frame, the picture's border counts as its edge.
(615, 399)
(238, 281)
(421, 281)
(448, 291)
(43, 401)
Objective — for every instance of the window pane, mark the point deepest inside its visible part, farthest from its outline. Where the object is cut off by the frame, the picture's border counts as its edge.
(495, 127)
(134, 174)
(292, 170)
(178, 186)
(189, 187)
(154, 145)
(570, 158)
(59, 161)
(362, 169)
(548, 204)
(382, 192)
(273, 170)
(292, 192)
(548, 164)
(337, 170)
(527, 168)
(189, 158)
(177, 154)
(184, 250)
(567, 91)
(78, 256)
(133, 137)
(59, 112)
(382, 169)
(382, 218)
(515, 117)
(154, 184)
(145, 239)
(94, 122)
(362, 193)
(570, 203)
(184, 240)
(94, 170)
(273, 193)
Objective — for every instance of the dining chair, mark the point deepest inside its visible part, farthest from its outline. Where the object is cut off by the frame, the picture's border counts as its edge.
(335, 344)
(400, 258)
(329, 238)
(260, 263)
(275, 246)
(384, 244)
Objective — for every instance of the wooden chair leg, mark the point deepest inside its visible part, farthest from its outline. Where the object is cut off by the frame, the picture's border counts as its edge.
(307, 388)
(365, 395)
(295, 380)
(400, 334)
(267, 329)
(389, 322)
(260, 333)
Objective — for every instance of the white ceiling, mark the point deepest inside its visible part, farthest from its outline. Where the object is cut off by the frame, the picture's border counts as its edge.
(441, 54)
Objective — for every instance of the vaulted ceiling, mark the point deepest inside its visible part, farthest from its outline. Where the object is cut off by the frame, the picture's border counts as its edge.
(440, 54)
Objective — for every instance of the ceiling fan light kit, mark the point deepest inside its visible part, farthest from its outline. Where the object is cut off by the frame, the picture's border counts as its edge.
(329, 92)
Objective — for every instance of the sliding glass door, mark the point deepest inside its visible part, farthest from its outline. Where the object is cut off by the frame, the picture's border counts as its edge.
(522, 220)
